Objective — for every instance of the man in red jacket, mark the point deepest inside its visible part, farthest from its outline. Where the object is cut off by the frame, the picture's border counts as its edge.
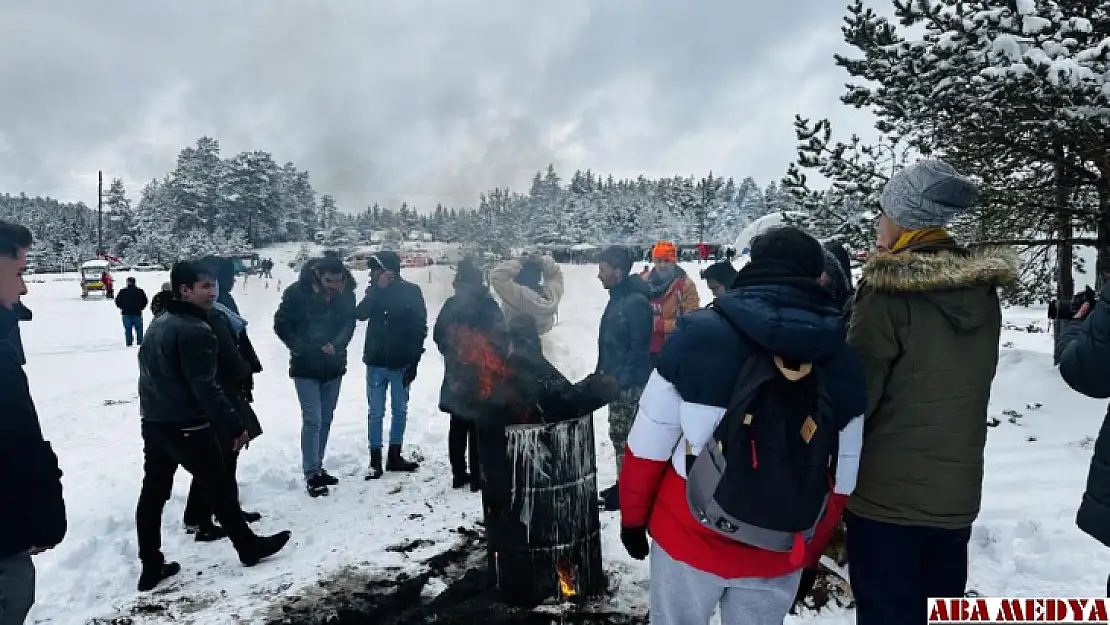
(777, 306)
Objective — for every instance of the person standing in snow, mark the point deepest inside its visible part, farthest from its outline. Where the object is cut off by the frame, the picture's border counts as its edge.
(316, 321)
(1084, 348)
(397, 326)
(532, 286)
(131, 303)
(158, 302)
(926, 324)
(470, 310)
(718, 277)
(236, 365)
(32, 509)
(183, 407)
(776, 308)
(672, 293)
(623, 350)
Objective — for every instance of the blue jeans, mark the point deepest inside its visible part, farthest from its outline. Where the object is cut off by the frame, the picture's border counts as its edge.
(378, 379)
(133, 323)
(318, 400)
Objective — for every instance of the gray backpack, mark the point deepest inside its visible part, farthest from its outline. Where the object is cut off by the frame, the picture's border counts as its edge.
(764, 478)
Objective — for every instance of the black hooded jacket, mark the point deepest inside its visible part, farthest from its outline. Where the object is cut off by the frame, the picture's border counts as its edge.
(306, 321)
(624, 336)
(473, 309)
(398, 324)
(1084, 349)
(32, 510)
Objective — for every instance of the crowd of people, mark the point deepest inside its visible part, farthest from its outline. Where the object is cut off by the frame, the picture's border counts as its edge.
(746, 432)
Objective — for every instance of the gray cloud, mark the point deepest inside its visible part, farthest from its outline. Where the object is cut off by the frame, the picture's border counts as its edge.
(420, 100)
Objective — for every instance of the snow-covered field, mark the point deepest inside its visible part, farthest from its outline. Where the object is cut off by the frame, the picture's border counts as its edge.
(84, 382)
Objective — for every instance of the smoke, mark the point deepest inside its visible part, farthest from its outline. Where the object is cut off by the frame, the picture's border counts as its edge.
(419, 100)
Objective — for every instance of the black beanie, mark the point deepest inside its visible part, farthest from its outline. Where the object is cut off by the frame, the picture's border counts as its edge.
(617, 257)
(791, 249)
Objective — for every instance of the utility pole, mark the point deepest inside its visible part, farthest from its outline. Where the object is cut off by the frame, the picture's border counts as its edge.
(100, 214)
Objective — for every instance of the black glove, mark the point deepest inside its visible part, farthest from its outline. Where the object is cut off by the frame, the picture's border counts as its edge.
(410, 375)
(635, 541)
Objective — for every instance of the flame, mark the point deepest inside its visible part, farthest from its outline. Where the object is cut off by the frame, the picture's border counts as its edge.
(566, 578)
(475, 349)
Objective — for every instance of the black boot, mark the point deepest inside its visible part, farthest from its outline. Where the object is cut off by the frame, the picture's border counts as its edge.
(252, 517)
(460, 480)
(374, 471)
(155, 573)
(394, 462)
(210, 533)
(263, 547)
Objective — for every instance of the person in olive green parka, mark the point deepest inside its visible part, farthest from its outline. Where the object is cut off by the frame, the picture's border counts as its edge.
(926, 325)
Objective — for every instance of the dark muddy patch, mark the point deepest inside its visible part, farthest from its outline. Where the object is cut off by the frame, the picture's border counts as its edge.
(452, 588)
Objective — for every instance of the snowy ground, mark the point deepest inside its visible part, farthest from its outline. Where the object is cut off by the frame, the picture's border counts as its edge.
(84, 382)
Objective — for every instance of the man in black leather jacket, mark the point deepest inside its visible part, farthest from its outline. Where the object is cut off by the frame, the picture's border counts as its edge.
(32, 511)
(1084, 352)
(180, 401)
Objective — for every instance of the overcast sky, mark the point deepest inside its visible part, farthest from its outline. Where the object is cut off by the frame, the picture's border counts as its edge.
(422, 100)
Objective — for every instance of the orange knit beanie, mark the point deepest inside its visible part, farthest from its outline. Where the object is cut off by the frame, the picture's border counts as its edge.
(665, 250)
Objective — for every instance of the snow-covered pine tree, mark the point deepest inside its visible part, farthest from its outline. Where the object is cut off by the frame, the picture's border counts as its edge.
(196, 186)
(1009, 91)
(119, 220)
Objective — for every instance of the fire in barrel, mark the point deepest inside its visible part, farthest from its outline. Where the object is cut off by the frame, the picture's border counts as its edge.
(536, 438)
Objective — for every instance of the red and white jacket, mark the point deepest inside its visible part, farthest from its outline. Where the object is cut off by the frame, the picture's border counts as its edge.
(653, 487)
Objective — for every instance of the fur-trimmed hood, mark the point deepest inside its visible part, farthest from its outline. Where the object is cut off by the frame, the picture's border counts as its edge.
(945, 269)
(946, 276)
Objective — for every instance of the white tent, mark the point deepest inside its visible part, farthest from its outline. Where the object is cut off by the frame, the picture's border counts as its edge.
(761, 225)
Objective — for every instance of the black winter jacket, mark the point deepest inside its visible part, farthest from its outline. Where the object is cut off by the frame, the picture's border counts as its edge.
(131, 301)
(1084, 349)
(235, 372)
(398, 325)
(624, 337)
(306, 322)
(473, 309)
(178, 364)
(32, 510)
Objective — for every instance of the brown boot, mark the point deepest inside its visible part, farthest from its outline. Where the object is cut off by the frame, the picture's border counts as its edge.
(375, 469)
(394, 462)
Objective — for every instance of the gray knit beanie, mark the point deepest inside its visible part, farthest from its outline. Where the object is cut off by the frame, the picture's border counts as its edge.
(927, 194)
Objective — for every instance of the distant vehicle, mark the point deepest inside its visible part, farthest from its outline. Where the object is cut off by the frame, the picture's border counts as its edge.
(245, 264)
(147, 267)
(91, 274)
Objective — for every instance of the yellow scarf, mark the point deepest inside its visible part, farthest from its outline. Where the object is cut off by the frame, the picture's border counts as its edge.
(918, 237)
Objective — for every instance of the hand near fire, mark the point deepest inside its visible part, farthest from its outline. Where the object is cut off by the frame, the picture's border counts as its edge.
(602, 386)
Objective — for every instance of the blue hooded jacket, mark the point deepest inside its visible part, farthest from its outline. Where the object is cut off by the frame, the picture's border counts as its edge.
(799, 322)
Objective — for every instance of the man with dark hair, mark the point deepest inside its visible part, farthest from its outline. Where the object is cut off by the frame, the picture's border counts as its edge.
(719, 277)
(398, 325)
(181, 401)
(316, 320)
(32, 510)
(131, 303)
(623, 349)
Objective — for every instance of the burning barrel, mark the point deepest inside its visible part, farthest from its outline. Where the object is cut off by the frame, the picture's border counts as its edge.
(543, 526)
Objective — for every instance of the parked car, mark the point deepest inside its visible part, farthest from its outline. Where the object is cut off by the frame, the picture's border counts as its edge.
(148, 267)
